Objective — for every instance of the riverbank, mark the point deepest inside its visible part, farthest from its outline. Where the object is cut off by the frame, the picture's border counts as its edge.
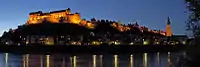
(91, 49)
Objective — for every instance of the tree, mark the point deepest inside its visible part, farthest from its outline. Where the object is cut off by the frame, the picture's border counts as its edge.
(191, 59)
(193, 23)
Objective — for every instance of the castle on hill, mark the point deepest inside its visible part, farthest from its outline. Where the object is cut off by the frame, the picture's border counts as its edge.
(61, 27)
(54, 16)
(67, 17)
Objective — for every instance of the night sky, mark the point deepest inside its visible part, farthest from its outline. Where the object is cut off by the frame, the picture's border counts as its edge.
(151, 13)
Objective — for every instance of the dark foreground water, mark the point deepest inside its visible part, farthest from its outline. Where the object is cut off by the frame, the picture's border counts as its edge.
(88, 60)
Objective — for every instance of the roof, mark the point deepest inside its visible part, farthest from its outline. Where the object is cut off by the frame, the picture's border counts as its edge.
(58, 11)
(38, 12)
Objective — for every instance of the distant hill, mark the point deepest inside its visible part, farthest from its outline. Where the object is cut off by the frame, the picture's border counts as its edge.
(59, 29)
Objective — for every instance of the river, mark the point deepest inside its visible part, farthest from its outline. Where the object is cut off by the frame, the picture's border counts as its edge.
(90, 60)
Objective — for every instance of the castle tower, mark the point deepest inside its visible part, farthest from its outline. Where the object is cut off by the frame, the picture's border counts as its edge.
(68, 11)
(168, 28)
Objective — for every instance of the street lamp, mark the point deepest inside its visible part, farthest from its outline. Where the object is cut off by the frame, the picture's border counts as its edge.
(145, 42)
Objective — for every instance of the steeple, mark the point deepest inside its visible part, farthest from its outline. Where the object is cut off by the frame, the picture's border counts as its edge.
(168, 28)
(168, 21)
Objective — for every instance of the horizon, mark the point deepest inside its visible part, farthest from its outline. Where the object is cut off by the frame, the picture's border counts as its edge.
(110, 12)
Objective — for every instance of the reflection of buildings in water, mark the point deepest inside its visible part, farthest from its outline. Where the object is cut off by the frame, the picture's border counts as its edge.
(81, 61)
(30, 60)
(6, 60)
(158, 59)
(43, 61)
(131, 61)
(26, 60)
(169, 63)
(136, 60)
(115, 61)
(145, 60)
(89, 61)
(101, 60)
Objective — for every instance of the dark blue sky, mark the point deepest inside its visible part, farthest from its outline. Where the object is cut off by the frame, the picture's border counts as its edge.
(151, 13)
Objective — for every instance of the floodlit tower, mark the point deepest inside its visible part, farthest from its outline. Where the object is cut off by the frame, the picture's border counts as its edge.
(168, 28)
(68, 11)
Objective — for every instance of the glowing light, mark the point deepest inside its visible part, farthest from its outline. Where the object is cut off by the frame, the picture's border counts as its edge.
(145, 42)
(47, 61)
(131, 43)
(26, 60)
(145, 60)
(157, 42)
(169, 59)
(131, 61)
(18, 44)
(115, 60)
(74, 61)
(96, 43)
(7, 43)
(27, 42)
(6, 59)
(184, 42)
(116, 43)
(94, 57)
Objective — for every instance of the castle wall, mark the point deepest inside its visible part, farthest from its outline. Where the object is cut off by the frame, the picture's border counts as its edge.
(54, 17)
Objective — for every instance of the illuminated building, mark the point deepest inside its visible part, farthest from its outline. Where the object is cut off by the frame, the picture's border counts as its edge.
(54, 17)
(64, 16)
(168, 28)
(63, 28)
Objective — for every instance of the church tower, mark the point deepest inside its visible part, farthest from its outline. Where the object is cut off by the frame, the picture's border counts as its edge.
(168, 28)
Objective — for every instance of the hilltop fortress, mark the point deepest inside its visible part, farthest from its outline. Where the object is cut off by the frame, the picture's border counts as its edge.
(57, 16)
(65, 16)
(54, 17)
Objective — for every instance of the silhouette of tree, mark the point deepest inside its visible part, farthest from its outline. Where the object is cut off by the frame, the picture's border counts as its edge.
(93, 19)
(191, 59)
(193, 23)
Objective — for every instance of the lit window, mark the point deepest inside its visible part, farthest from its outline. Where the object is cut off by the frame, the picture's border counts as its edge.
(18, 44)
(7, 43)
(184, 42)
(62, 36)
(145, 42)
(176, 42)
(116, 43)
(27, 42)
(131, 43)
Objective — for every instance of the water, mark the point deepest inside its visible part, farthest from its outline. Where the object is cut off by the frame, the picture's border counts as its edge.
(88, 60)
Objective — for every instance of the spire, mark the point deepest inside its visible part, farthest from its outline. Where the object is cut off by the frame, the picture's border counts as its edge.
(168, 21)
(168, 28)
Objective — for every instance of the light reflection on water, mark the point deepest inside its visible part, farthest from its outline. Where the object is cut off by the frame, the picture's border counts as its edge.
(88, 60)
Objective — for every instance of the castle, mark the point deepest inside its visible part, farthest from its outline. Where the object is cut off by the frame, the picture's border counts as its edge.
(67, 17)
(55, 16)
